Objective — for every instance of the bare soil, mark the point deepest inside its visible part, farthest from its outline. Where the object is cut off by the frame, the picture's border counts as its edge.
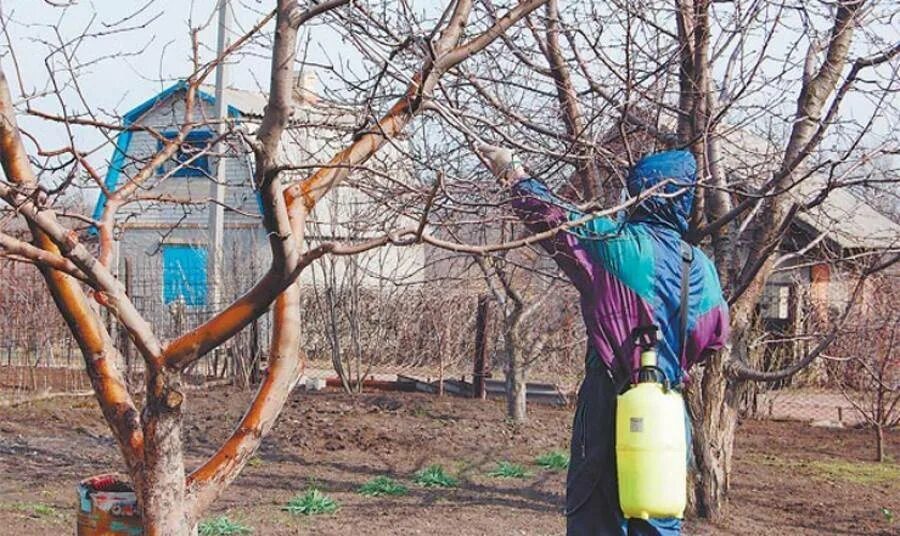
(789, 478)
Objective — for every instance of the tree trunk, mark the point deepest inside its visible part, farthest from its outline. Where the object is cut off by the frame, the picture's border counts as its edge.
(714, 414)
(162, 494)
(515, 384)
(256, 353)
(335, 340)
(879, 443)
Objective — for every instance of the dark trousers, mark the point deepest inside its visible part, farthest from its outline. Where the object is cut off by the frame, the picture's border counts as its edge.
(592, 497)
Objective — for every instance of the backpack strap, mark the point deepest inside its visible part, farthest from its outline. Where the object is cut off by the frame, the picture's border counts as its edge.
(687, 257)
(620, 372)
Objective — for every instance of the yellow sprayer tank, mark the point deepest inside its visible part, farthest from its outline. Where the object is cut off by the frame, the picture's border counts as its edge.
(651, 450)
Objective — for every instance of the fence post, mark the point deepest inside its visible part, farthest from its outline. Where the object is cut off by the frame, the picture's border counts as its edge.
(255, 354)
(481, 330)
(124, 339)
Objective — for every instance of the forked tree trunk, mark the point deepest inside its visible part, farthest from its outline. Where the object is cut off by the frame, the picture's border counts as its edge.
(152, 445)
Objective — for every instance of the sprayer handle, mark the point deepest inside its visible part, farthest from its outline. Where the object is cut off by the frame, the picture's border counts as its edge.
(646, 337)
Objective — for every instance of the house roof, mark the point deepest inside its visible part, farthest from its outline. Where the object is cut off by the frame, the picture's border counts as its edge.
(135, 113)
(849, 221)
(241, 104)
(245, 102)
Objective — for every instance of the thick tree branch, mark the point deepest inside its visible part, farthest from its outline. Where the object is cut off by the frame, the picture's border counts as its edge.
(569, 107)
(40, 257)
(99, 353)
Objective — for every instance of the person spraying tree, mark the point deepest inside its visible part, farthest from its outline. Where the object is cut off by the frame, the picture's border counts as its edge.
(637, 278)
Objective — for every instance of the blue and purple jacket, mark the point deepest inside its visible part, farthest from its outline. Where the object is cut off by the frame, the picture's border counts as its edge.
(629, 273)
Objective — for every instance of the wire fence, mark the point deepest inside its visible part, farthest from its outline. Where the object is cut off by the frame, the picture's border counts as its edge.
(426, 330)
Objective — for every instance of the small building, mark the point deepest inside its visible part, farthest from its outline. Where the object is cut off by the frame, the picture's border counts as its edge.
(162, 234)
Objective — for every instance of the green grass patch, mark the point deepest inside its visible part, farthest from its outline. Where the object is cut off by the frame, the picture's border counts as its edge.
(43, 510)
(222, 526)
(383, 485)
(434, 476)
(509, 470)
(32, 509)
(255, 461)
(556, 460)
(311, 503)
(857, 472)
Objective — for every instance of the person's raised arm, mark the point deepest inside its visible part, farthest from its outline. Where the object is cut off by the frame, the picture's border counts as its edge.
(541, 210)
(538, 207)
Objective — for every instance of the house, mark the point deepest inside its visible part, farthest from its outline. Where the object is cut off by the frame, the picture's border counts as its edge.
(161, 235)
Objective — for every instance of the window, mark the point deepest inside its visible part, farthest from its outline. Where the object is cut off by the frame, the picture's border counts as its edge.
(191, 159)
(184, 274)
(776, 302)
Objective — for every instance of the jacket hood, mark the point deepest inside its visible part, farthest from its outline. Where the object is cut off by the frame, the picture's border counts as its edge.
(673, 212)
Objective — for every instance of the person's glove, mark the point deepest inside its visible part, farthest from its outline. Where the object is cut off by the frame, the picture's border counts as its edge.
(503, 163)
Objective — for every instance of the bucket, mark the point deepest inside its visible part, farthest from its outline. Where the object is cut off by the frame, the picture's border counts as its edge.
(107, 506)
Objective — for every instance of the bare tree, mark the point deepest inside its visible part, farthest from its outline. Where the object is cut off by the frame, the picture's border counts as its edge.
(150, 440)
(580, 90)
(865, 361)
(777, 147)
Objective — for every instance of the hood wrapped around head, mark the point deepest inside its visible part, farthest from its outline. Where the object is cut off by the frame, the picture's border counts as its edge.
(673, 212)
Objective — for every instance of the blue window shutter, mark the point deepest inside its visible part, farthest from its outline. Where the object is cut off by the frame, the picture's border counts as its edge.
(184, 274)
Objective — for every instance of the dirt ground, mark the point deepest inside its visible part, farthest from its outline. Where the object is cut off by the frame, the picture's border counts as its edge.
(789, 478)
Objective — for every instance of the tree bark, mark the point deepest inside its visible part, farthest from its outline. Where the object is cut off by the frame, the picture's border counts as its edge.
(713, 410)
(879, 443)
(572, 117)
(163, 504)
(516, 403)
(516, 407)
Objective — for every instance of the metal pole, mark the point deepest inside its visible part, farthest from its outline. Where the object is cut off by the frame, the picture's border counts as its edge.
(217, 186)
